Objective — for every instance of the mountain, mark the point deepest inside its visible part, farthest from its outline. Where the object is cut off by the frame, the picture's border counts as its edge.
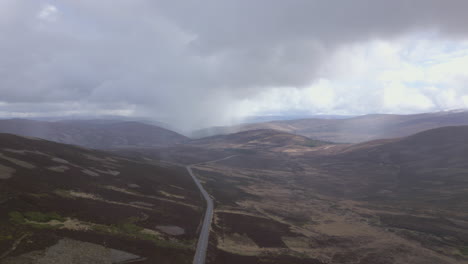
(98, 134)
(60, 202)
(356, 129)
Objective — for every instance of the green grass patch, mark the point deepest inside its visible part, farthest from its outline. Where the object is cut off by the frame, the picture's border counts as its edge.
(125, 227)
(44, 226)
(16, 218)
(128, 228)
(166, 243)
(35, 219)
(43, 217)
(464, 251)
(101, 228)
(6, 237)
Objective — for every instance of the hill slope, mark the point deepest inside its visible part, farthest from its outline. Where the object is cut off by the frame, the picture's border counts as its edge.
(250, 142)
(395, 201)
(356, 129)
(256, 139)
(103, 134)
(399, 200)
(428, 169)
(57, 197)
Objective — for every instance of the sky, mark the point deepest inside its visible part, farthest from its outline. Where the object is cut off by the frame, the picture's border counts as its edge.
(194, 64)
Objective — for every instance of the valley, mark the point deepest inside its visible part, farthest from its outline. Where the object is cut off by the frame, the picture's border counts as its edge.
(233, 132)
(342, 208)
(276, 198)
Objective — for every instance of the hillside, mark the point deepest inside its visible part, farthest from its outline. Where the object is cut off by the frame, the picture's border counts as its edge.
(256, 139)
(92, 207)
(97, 134)
(356, 129)
(419, 167)
(279, 198)
(217, 147)
(392, 201)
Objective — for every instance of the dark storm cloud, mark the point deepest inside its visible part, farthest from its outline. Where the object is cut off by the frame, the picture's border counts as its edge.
(187, 60)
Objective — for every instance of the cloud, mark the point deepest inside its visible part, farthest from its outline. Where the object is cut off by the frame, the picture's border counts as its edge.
(194, 63)
(378, 77)
(48, 12)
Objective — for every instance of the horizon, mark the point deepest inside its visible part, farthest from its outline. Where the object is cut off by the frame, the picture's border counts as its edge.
(257, 119)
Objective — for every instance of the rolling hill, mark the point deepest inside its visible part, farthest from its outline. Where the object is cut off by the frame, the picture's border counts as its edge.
(217, 147)
(256, 139)
(400, 200)
(279, 198)
(97, 134)
(356, 129)
(429, 167)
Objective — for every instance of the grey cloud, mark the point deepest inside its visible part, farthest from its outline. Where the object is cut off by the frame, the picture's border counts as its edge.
(186, 61)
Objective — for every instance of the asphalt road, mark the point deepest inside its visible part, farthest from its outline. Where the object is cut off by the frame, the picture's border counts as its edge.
(202, 244)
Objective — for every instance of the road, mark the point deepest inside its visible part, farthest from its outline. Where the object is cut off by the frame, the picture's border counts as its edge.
(202, 244)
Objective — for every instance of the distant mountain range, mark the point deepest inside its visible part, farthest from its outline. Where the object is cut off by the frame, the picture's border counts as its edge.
(352, 130)
(98, 134)
(257, 119)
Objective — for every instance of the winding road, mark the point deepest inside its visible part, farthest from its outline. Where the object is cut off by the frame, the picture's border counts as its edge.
(202, 244)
